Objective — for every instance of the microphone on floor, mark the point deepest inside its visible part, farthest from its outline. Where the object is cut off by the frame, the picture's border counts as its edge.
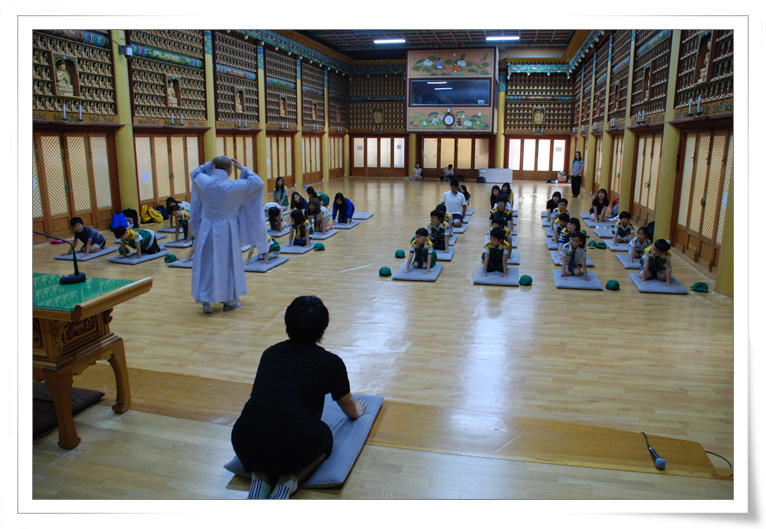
(659, 463)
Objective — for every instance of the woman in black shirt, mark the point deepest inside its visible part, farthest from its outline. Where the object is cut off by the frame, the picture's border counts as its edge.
(280, 436)
(600, 206)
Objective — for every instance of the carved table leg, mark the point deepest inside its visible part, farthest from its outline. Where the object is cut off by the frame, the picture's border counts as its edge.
(59, 384)
(120, 368)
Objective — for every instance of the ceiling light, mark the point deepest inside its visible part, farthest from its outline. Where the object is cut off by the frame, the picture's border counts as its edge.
(448, 88)
(389, 41)
(503, 37)
(436, 82)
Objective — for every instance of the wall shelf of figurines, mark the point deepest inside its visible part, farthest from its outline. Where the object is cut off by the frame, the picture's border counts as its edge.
(538, 102)
(337, 86)
(620, 68)
(312, 98)
(236, 81)
(377, 103)
(705, 82)
(651, 66)
(72, 82)
(281, 90)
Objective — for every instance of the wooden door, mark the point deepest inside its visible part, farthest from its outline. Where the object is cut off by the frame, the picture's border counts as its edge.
(708, 160)
(163, 164)
(379, 156)
(646, 172)
(239, 147)
(598, 181)
(73, 175)
(279, 161)
(613, 186)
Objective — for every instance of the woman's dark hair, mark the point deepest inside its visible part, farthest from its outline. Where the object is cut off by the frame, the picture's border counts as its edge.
(274, 212)
(314, 208)
(76, 220)
(311, 193)
(169, 202)
(575, 221)
(492, 197)
(343, 207)
(502, 187)
(644, 230)
(279, 186)
(306, 319)
(556, 194)
(292, 198)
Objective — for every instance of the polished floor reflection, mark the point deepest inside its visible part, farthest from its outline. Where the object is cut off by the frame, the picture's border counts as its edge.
(621, 360)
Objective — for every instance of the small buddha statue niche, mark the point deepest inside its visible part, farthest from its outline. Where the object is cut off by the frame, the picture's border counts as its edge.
(172, 91)
(282, 106)
(63, 78)
(703, 60)
(239, 101)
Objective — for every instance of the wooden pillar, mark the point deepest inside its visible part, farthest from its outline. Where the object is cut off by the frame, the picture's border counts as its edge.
(208, 139)
(298, 138)
(606, 138)
(414, 155)
(724, 282)
(671, 140)
(346, 156)
(628, 140)
(261, 152)
(590, 157)
(123, 138)
(499, 161)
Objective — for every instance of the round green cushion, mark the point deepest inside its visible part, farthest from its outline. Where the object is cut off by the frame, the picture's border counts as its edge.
(612, 285)
(399, 254)
(525, 280)
(699, 286)
(169, 258)
(319, 247)
(384, 271)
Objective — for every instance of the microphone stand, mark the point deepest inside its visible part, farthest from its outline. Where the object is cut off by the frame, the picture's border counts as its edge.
(77, 277)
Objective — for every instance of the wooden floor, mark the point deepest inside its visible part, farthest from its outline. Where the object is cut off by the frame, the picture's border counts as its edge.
(660, 364)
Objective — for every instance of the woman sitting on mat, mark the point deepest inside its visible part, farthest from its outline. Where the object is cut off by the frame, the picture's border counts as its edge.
(280, 436)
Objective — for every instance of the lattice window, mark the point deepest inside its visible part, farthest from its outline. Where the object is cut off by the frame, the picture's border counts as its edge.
(718, 151)
(178, 159)
(144, 167)
(78, 172)
(162, 170)
(599, 144)
(639, 169)
(54, 175)
(728, 172)
(614, 181)
(699, 182)
(37, 201)
(99, 153)
(192, 153)
(686, 180)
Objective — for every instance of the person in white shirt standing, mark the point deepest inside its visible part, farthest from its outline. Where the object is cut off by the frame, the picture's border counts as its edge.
(455, 203)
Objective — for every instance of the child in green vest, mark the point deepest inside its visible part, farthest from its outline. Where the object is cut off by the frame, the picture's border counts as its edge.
(496, 253)
(143, 241)
(421, 251)
(655, 263)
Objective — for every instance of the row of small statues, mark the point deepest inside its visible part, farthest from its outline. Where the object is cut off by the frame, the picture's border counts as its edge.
(43, 88)
(57, 104)
(69, 48)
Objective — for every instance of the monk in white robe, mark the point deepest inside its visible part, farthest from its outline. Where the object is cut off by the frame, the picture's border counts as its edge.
(225, 215)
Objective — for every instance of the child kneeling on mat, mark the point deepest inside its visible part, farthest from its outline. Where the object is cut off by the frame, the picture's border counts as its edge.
(273, 252)
(143, 241)
(501, 209)
(560, 226)
(639, 244)
(90, 238)
(438, 231)
(343, 208)
(623, 230)
(655, 263)
(496, 253)
(299, 229)
(498, 222)
(573, 258)
(421, 251)
(274, 216)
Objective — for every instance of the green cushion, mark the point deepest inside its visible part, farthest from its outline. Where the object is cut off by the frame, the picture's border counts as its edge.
(384, 271)
(612, 285)
(699, 286)
(319, 247)
(592, 244)
(169, 258)
(525, 280)
(399, 254)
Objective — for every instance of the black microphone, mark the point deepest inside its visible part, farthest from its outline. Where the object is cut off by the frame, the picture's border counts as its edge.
(659, 463)
(77, 277)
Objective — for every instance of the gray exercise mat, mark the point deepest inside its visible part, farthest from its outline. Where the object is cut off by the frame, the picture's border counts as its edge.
(445, 256)
(577, 282)
(259, 266)
(586, 215)
(514, 243)
(180, 264)
(322, 236)
(418, 274)
(92, 255)
(655, 286)
(362, 215)
(180, 243)
(169, 230)
(348, 436)
(515, 212)
(551, 244)
(617, 247)
(546, 223)
(461, 229)
(346, 225)
(470, 211)
(549, 232)
(452, 239)
(557, 259)
(624, 258)
(275, 233)
(496, 278)
(604, 233)
(132, 260)
(514, 257)
(297, 249)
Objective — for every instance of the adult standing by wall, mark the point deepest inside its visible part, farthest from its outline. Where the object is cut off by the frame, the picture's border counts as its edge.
(225, 214)
(578, 167)
(280, 435)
